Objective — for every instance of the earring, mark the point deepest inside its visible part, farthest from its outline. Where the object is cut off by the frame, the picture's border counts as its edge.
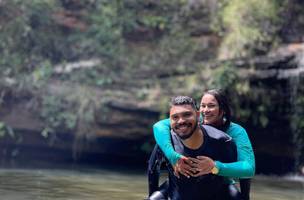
(224, 119)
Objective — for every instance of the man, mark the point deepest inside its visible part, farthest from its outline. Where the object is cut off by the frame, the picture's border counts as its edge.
(192, 140)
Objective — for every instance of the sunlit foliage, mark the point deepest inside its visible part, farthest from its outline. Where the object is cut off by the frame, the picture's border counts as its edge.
(249, 26)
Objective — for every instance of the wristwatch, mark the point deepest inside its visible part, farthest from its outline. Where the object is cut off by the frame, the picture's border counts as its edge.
(214, 170)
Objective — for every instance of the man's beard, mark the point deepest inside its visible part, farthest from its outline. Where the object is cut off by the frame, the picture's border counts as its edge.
(186, 136)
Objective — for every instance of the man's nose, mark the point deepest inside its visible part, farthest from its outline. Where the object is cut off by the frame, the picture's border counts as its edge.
(181, 120)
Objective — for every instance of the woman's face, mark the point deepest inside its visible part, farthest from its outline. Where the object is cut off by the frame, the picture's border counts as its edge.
(210, 109)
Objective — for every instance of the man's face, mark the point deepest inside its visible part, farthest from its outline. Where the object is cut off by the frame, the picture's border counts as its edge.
(183, 120)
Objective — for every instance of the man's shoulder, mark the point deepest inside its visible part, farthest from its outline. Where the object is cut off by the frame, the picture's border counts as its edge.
(215, 133)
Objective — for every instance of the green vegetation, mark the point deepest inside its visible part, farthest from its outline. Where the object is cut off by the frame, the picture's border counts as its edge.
(6, 130)
(151, 47)
(47, 32)
(7, 133)
(297, 121)
(249, 26)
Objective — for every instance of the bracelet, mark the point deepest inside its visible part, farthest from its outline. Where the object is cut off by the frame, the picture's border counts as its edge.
(214, 170)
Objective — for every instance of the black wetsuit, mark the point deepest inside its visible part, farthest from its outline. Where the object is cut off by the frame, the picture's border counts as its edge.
(218, 146)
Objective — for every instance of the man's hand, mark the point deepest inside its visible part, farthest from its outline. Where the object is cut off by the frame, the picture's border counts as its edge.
(183, 167)
(202, 165)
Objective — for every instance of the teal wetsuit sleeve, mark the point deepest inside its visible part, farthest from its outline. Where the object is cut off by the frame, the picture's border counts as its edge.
(245, 166)
(161, 131)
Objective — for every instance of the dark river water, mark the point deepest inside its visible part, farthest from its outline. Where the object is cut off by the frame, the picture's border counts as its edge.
(111, 184)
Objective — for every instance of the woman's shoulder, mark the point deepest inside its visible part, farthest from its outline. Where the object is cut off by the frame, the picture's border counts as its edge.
(235, 128)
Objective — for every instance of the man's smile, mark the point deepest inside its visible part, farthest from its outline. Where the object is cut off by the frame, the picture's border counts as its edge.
(183, 127)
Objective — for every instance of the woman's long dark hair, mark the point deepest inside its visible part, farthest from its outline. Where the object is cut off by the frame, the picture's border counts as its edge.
(224, 106)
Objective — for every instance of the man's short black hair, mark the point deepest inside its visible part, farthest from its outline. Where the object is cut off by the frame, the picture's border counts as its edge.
(183, 100)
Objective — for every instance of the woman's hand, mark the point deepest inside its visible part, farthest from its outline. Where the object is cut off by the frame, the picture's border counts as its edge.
(183, 166)
(202, 165)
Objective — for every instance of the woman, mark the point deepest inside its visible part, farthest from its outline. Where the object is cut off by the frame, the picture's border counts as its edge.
(216, 112)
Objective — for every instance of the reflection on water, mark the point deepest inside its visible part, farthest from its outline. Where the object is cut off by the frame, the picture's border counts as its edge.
(276, 188)
(33, 184)
(70, 185)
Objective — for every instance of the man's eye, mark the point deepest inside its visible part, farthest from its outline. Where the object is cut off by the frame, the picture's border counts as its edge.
(187, 114)
(174, 118)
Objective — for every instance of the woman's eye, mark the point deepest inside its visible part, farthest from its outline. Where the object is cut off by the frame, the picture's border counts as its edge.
(211, 106)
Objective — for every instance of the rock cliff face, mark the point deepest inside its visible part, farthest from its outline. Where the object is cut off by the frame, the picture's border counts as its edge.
(125, 109)
(122, 128)
(278, 146)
